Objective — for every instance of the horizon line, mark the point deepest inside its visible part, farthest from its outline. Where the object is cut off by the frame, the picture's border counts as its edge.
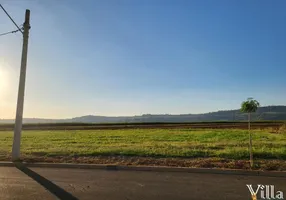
(132, 115)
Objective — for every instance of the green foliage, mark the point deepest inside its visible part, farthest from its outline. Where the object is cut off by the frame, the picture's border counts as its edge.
(185, 143)
(249, 106)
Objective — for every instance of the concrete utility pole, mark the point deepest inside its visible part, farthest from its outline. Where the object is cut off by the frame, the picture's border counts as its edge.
(21, 91)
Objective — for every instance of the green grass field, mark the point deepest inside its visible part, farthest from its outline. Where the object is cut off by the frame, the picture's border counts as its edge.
(183, 143)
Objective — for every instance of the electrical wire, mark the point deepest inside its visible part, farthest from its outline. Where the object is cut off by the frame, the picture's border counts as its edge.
(2, 34)
(11, 19)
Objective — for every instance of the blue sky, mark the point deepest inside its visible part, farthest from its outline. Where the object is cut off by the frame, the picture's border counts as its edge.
(120, 57)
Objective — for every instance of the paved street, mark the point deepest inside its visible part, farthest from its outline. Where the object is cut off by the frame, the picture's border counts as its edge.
(47, 183)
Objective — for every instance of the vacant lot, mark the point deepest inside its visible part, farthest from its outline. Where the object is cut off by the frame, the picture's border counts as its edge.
(172, 144)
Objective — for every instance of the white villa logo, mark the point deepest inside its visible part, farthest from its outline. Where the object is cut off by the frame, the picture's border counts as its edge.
(265, 192)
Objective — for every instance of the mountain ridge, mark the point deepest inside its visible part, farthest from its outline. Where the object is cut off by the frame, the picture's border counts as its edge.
(277, 112)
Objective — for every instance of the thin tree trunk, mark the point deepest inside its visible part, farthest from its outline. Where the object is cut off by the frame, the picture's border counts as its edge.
(250, 142)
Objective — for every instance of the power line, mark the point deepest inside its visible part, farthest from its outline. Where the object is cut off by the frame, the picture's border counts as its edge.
(11, 18)
(2, 34)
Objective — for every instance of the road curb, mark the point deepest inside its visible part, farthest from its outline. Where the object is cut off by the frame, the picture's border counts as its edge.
(151, 168)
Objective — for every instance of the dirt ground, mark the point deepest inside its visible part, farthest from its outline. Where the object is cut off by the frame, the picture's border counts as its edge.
(264, 165)
(274, 126)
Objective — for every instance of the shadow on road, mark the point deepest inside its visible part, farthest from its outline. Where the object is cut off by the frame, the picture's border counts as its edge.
(53, 188)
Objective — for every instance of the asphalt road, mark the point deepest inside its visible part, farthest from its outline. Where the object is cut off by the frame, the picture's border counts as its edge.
(94, 184)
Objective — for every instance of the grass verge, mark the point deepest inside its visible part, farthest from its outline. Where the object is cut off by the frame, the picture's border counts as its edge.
(225, 148)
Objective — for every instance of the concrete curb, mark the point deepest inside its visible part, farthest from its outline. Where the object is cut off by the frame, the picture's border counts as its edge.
(151, 168)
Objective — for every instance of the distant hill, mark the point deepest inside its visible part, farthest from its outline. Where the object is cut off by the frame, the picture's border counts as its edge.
(263, 113)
